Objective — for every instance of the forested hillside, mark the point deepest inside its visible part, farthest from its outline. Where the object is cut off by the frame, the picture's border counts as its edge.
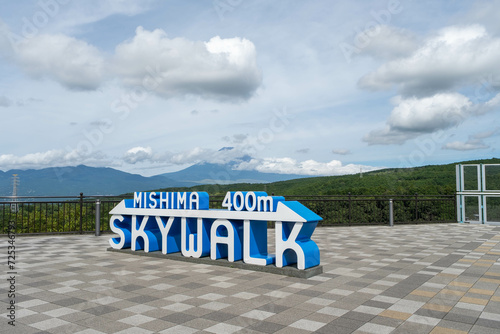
(428, 180)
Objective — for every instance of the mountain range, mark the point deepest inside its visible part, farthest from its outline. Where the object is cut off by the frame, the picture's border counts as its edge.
(71, 181)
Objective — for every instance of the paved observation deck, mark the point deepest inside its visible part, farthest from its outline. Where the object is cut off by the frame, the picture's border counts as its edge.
(440, 278)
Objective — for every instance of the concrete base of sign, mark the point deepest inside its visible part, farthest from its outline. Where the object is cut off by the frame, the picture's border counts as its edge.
(272, 269)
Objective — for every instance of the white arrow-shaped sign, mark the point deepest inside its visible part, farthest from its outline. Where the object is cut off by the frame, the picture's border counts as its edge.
(286, 211)
(235, 234)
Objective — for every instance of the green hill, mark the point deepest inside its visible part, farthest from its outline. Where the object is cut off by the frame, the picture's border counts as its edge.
(425, 180)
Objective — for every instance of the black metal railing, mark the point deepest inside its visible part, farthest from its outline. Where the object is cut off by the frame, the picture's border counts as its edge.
(375, 209)
(366, 209)
(52, 215)
(83, 214)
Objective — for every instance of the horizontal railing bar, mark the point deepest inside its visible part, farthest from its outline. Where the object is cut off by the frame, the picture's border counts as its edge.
(76, 214)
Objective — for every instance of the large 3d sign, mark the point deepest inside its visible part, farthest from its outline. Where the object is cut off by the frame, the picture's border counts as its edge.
(181, 222)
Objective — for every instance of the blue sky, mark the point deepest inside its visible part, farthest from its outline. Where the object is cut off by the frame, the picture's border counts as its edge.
(315, 88)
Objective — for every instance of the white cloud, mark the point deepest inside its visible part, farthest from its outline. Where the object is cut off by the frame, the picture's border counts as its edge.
(199, 154)
(192, 156)
(414, 116)
(73, 63)
(138, 154)
(238, 161)
(471, 144)
(51, 158)
(388, 42)
(308, 167)
(222, 69)
(457, 55)
(475, 142)
(485, 12)
(429, 114)
(195, 155)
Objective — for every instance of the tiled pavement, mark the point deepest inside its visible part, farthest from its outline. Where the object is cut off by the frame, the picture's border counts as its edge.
(406, 279)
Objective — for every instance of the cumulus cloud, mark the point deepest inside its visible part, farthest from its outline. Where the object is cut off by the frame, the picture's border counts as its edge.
(138, 154)
(475, 142)
(428, 114)
(222, 69)
(195, 155)
(455, 56)
(198, 154)
(237, 160)
(414, 116)
(73, 63)
(307, 167)
(52, 158)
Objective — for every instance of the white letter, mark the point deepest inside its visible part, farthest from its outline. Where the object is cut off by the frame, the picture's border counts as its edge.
(181, 200)
(215, 239)
(117, 230)
(138, 199)
(164, 229)
(238, 201)
(194, 201)
(152, 200)
(289, 243)
(250, 201)
(199, 241)
(263, 202)
(139, 233)
(164, 200)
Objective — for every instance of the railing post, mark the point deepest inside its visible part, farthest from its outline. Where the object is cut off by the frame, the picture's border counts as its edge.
(97, 217)
(391, 213)
(81, 213)
(416, 207)
(456, 209)
(350, 209)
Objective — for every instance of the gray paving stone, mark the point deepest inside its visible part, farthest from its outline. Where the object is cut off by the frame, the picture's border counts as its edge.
(370, 266)
(179, 318)
(488, 323)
